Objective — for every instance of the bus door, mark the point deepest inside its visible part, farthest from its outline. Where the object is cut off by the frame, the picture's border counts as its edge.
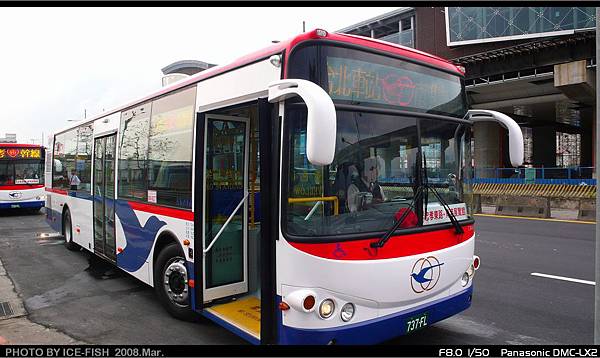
(104, 197)
(224, 213)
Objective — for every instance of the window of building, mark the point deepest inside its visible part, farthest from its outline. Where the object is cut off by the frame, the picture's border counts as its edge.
(170, 149)
(568, 149)
(133, 152)
(483, 24)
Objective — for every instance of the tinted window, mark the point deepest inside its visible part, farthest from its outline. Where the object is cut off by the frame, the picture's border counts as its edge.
(171, 147)
(133, 155)
(65, 149)
(83, 163)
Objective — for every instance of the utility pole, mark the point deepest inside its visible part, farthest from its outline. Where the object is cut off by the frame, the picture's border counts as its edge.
(303, 26)
(597, 278)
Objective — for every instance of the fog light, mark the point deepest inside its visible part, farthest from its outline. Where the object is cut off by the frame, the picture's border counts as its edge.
(326, 308)
(347, 312)
(464, 280)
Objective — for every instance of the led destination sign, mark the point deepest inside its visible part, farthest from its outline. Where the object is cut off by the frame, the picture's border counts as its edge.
(20, 153)
(405, 85)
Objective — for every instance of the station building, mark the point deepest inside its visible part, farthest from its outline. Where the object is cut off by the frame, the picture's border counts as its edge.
(536, 64)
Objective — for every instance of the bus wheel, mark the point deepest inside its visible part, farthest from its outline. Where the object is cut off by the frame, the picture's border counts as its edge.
(68, 232)
(171, 283)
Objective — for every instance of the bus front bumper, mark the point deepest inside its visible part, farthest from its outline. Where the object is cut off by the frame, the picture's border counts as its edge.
(22, 205)
(379, 329)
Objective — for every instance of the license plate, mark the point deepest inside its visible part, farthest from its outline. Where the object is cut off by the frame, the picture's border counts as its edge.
(416, 322)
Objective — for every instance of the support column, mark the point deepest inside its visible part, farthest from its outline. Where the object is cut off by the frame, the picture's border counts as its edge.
(544, 146)
(487, 148)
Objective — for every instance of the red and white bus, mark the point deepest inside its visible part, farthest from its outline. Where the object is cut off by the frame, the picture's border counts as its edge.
(22, 176)
(327, 178)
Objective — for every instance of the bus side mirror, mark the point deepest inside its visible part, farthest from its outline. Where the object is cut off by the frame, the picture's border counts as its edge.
(321, 119)
(515, 136)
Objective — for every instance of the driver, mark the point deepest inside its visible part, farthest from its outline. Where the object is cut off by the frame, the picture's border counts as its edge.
(363, 190)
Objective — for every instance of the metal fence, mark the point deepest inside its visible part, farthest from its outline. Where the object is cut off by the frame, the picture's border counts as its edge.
(571, 176)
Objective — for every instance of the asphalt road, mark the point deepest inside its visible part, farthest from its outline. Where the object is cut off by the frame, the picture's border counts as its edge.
(509, 305)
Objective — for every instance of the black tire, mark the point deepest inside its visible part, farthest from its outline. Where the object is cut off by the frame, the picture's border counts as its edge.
(172, 258)
(68, 232)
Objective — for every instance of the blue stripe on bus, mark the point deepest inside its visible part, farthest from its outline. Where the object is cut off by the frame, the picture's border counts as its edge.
(376, 330)
(55, 224)
(139, 238)
(23, 205)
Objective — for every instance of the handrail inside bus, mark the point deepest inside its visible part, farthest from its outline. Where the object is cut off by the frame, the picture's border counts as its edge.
(225, 225)
(336, 203)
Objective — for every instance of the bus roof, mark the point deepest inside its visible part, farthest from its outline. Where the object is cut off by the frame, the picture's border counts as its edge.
(17, 145)
(280, 47)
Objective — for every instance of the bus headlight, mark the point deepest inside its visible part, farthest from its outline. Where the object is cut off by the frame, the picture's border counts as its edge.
(326, 308)
(464, 280)
(347, 312)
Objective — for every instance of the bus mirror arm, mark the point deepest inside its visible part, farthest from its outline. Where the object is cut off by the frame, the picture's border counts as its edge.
(321, 117)
(515, 135)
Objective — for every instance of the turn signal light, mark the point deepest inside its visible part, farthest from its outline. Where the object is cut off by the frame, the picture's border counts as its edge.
(309, 302)
(186, 242)
(284, 306)
(476, 262)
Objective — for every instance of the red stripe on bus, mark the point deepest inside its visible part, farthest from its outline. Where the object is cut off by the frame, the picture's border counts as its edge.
(21, 187)
(17, 145)
(161, 210)
(397, 246)
(57, 191)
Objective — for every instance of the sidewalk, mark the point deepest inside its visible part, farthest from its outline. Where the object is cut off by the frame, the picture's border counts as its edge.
(15, 327)
(562, 214)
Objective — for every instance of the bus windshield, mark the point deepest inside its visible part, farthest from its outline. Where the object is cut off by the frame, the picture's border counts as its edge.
(19, 172)
(381, 158)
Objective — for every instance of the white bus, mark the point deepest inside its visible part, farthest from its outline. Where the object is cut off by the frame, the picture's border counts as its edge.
(316, 191)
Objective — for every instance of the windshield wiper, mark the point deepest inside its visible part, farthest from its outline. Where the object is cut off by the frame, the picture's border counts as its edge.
(390, 232)
(423, 186)
(457, 227)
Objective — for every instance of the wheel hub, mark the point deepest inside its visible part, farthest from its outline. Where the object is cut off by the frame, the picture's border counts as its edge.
(175, 281)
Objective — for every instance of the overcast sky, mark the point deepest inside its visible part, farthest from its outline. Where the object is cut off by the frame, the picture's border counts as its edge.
(56, 62)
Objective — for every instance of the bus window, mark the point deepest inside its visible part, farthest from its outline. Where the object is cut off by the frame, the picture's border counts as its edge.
(133, 156)
(170, 149)
(83, 161)
(65, 149)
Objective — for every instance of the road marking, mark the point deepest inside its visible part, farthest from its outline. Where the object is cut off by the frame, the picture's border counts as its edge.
(564, 278)
(539, 219)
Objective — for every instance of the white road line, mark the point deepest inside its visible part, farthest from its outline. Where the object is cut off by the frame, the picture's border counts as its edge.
(564, 278)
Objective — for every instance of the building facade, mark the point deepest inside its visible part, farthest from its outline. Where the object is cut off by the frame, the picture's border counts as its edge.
(536, 64)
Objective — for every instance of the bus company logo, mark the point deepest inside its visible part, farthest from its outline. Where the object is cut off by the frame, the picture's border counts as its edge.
(15, 195)
(398, 90)
(425, 274)
(12, 152)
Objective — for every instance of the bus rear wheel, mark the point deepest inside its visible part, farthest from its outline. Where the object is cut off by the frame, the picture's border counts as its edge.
(171, 283)
(68, 232)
